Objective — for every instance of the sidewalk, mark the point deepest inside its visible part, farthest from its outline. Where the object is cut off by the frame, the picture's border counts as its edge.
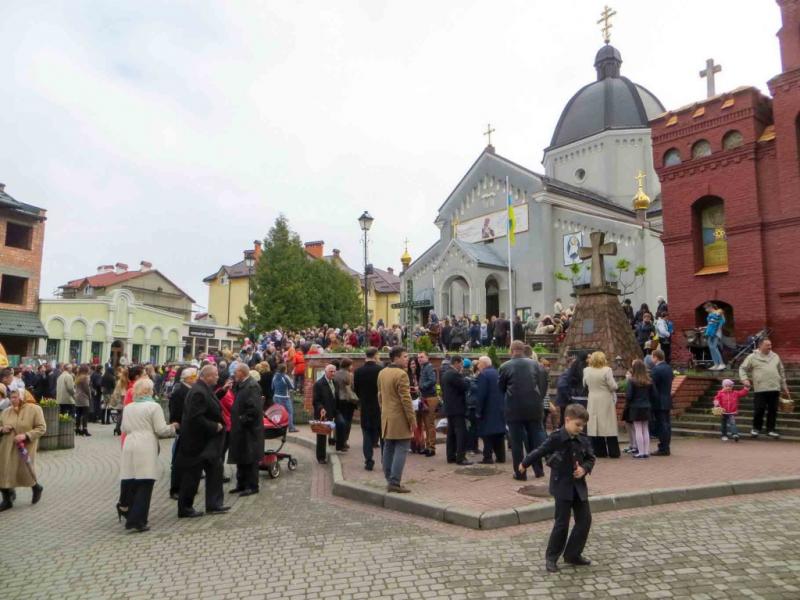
(491, 487)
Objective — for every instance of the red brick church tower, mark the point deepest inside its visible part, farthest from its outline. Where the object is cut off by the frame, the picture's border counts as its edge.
(730, 188)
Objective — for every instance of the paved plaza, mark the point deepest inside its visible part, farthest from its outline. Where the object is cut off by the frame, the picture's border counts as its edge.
(295, 540)
(481, 487)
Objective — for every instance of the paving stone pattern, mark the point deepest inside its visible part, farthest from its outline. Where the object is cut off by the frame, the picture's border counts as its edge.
(295, 541)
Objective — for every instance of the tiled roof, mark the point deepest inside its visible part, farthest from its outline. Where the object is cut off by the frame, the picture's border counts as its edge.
(233, 271)
(21, 324)
(385, 282)
(482, 254)
(102, 280)
(7, 201)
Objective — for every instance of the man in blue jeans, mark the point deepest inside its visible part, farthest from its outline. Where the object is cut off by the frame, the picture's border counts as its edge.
(397, 418)
(523, 381)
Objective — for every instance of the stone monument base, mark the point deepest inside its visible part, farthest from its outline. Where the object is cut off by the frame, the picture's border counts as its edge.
(599, 323)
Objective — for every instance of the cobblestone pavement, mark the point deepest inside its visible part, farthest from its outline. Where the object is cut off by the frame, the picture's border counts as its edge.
(693, 462)
(295, 541)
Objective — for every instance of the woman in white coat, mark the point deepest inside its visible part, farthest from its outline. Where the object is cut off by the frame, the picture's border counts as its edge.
(143, 423)
(602, 427)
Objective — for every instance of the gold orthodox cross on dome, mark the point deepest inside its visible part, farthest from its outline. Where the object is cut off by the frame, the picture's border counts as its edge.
(640, 177)
(596, 252)
(605, 21)
(488, 133)
(455, 227)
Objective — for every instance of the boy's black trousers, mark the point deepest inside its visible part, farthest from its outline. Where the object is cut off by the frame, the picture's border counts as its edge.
(559, 544)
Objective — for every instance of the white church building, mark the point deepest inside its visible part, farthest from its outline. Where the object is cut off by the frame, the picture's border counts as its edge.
(601, 143)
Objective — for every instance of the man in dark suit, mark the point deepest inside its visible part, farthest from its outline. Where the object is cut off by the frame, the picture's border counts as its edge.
(247, 431)
(662, 376)
(454, 391)
(502, 327)
(325, 399)
(177, 401)
(365, 386)
(200, 450)
(570, 458)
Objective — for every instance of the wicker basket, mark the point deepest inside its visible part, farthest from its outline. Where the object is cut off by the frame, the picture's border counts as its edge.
(717, 411)
(785, 404)
(321, 428)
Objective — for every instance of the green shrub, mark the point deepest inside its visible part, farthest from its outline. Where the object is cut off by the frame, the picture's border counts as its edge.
(48, 403)
(65, 418)
(492, 354)
(424, 344)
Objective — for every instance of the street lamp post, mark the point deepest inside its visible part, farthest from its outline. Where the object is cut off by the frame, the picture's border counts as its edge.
(365, 221)
(249, 261)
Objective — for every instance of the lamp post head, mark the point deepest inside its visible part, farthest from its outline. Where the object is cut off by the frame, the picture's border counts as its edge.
(365, 220)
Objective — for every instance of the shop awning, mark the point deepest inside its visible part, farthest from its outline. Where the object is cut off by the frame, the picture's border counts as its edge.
(18, 323)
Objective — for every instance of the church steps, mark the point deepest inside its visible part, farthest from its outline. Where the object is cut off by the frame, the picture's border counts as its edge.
(745, 435)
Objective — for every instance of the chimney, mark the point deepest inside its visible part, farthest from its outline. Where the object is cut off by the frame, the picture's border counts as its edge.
(256, 249)
(336, 252)
(120, 268)
(390, 270)
(105, 269)
(789, 35)
(315, 248)
(2, 187)
(145, 266)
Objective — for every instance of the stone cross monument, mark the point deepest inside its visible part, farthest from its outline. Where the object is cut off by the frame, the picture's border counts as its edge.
(596, 252)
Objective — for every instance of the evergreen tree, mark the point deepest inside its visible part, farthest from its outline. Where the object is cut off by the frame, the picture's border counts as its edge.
(292, 291)
(281, 292)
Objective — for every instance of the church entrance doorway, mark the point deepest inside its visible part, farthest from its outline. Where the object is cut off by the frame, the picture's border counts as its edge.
(492, 297)
(455, 297)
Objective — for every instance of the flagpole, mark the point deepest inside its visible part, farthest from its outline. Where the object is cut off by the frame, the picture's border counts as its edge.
(509, 232)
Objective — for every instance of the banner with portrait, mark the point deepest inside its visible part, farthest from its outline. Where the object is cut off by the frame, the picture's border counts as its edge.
(493, 225)
(572, 246)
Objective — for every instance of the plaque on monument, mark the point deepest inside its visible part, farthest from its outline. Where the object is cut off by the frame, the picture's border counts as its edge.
(588, 326)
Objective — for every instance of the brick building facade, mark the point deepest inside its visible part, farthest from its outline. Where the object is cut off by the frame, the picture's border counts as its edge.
(730, 182)
(21, 241)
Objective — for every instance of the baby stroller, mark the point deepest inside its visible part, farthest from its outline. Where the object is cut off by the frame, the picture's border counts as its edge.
(750, 346)
(276, 424)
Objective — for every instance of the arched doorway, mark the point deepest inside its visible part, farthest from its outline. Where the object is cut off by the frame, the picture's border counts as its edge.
(492, 297)
(456, 297)
(728, 330)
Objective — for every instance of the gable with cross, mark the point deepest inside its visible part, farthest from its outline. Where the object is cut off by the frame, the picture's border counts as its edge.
(596, 252)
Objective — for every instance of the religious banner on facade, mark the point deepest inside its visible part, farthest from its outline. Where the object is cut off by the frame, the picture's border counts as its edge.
(494, 225)
(715, 240)
(572, 246)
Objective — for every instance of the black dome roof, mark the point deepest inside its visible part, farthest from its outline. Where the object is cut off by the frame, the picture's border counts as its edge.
(611, 102)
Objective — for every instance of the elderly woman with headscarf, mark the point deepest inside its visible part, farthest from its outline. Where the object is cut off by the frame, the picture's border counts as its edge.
(143, 423)
(21, 426)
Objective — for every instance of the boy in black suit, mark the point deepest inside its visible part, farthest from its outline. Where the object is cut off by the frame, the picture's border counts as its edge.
(569, 455)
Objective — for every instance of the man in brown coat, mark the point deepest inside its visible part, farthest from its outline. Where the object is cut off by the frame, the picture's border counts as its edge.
(397, 417)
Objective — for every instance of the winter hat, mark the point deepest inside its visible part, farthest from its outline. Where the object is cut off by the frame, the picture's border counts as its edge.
(726, 382)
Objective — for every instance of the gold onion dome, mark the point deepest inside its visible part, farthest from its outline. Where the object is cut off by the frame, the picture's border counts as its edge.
(406, 258)
(641, 201)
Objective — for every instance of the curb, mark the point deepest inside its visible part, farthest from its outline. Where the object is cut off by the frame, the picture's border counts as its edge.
(539, 511)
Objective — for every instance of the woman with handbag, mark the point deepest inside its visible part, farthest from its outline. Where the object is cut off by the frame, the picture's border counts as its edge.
(346, 405)
(21, 426)
(83, 394)
(602, 425)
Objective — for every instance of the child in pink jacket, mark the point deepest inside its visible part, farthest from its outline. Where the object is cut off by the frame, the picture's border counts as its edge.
(728, 399)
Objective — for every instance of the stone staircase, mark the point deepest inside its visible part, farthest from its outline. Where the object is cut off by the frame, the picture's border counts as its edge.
(697, 420)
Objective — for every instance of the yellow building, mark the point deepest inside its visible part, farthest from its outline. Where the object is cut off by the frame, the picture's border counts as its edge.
(229, 290)
(383, 286)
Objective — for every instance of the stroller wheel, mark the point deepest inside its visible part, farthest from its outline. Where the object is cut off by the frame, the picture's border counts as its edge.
(274, 470)
(292, 464)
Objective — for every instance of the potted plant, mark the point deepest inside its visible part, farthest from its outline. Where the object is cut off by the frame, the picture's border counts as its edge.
(49, 441)
(66, 431)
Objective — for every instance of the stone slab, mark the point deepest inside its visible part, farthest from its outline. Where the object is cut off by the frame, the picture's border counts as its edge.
(755, 486)
(668, 495)
(462, 517)
(495, 519)
(632, 500)
(421, 507)
(336, 468)
(602, 503)
(533, 513)
(712, 490)
(359, 493)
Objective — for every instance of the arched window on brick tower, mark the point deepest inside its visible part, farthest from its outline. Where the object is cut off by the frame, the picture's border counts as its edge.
(710, 236)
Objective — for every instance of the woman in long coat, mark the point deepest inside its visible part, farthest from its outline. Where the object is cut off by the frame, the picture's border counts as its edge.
(602, 427)
(143, 423)
(20, 422)
(83, 394)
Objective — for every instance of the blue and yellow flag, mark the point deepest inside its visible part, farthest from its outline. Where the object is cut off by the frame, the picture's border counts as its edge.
(512, 222)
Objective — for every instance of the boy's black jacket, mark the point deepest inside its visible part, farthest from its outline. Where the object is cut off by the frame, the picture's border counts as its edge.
(561, 452)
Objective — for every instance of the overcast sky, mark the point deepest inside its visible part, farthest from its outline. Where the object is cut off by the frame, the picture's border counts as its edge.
(175, 132)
